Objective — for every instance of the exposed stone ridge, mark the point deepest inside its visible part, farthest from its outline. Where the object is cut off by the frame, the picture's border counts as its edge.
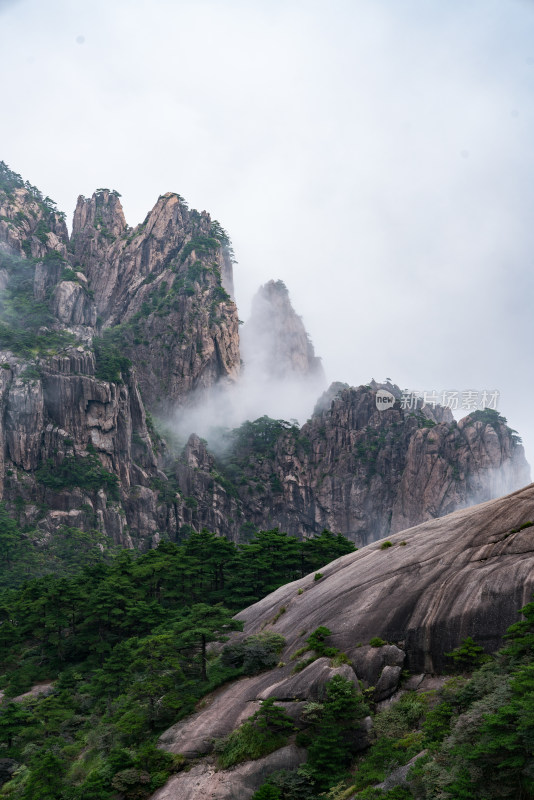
(463, 574)
(363, 472)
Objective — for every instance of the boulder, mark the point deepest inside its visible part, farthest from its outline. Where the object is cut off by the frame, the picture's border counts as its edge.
(203, 780)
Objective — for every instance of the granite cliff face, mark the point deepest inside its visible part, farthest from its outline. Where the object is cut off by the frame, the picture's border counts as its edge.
(166, 282)
(154, 295)
(99, 329)
(466, 574)
(63, 414)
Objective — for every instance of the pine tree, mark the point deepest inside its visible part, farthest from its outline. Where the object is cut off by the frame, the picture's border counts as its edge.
(333, 741)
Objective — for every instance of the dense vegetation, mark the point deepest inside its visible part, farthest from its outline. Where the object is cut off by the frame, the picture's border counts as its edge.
(25, 323)
(86, 472)
(125, 641)
(111, 363)
(24, 554)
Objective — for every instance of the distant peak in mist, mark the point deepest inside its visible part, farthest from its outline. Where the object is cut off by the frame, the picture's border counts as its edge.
(274, 341)
(281, 377)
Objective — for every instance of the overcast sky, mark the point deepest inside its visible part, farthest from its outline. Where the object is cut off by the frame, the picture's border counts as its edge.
(376, 155)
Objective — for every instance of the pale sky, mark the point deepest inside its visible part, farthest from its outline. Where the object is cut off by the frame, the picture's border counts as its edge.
(376, 155)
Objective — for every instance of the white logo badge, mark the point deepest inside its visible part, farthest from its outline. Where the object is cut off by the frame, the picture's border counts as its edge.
(384, 400)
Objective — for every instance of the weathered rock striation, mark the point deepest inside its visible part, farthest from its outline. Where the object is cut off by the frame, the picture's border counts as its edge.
(466, 573)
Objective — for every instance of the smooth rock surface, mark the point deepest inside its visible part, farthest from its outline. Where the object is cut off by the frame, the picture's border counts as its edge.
(465, 574)
(226, 708)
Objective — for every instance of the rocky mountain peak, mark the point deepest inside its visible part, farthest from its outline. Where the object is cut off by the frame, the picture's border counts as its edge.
(30, 224)
(103, 211)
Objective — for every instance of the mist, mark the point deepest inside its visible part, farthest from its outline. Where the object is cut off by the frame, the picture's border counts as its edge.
(281, 377)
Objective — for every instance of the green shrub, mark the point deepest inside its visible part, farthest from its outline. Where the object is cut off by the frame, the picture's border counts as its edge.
(300, 665)
(315, 640)
(397, 793)
(255, 653)
(522, 527)
(383, 757)
(376, 641)
(339, 659)
(401, 717)
(68, 274)
(386, 544)
(335, 736)
(267, 792)
(468, 655)
(291, 785)
(437, 724)
(202, 245)
(30, 373)
(520, 636)
(317, 576)
(266, 730)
